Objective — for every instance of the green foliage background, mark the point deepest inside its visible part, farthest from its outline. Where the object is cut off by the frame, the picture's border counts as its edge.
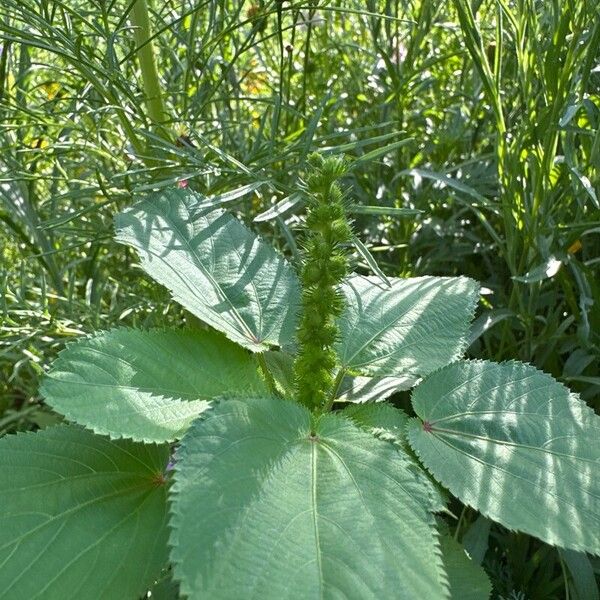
(473, 131)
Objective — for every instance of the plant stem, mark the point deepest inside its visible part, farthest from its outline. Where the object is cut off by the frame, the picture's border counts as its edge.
(269, 379)
(334, 390)
(145, 52)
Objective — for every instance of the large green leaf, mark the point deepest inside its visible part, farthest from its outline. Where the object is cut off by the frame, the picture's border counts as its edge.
(147, 385)
(267, 505)
(409, 329)
(82, 516)
(516, 445)
(215, 267)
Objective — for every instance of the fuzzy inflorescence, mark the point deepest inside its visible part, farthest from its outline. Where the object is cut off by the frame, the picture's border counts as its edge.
(324, 268)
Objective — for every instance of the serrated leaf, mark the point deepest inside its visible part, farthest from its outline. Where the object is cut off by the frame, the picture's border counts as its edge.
(514, 444)
(389, 423)
(147, 385)
(266, 505)
(410, 329)
(82, 517)
(215, 267)
(468, 581)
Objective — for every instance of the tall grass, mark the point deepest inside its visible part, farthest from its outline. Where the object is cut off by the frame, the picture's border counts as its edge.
(473, 127)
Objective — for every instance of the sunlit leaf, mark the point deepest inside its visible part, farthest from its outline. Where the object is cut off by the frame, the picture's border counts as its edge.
(147, 385)
(268, 505)
(409, 329)
(514, 444)
(356, 388)
(214, 266)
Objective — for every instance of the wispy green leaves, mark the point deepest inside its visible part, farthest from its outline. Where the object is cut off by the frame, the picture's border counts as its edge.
(147, 385)
(269, 505)
(82, 517)
(411, 328)
(516, 445)
(214, 266)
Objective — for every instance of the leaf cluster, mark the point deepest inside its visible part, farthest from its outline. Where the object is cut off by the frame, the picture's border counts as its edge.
(263, 495)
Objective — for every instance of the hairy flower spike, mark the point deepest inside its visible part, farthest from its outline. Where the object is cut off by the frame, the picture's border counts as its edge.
(325, 266)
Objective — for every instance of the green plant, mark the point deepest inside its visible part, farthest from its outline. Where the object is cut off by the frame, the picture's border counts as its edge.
(271, 497)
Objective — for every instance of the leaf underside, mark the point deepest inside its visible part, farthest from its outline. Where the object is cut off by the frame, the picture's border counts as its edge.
(516, 445)
(263, 508)
(82, 517)
(147, 385)
(353, 388)
(214, 267)
(360, 389)
(409, 329)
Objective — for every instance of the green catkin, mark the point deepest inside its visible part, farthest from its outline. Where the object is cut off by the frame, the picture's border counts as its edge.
(324, 267)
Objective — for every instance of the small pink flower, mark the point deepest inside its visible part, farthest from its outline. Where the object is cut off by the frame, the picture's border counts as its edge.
(182, 184)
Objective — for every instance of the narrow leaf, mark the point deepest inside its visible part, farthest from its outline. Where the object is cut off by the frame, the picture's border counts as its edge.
(582, 572)
(382, 151)
(393, 211)
(476, 539)
(230, 196)
(549, 268)
(368, 257)
(451, 182)
(280, 208)
(468, 581)
(486, 321)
